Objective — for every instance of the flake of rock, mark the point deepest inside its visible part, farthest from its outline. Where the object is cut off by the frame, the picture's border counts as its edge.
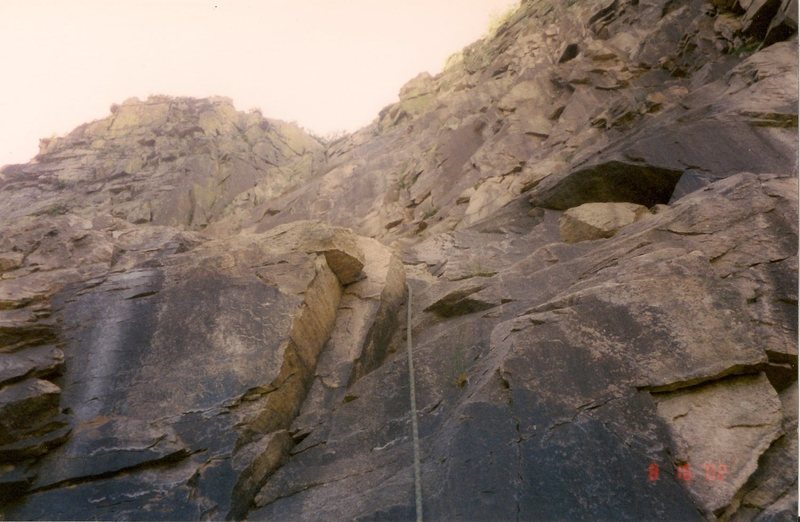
(47, 437)
(24, 406)
(38, 361)
(598, 220)
(106, 445)
(771, 489)
(465, 298)
(722, 429)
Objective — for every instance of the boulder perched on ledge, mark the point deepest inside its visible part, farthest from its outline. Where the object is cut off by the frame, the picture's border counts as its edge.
(598, 220)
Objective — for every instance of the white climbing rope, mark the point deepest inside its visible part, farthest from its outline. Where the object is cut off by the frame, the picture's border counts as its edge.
(414, 427)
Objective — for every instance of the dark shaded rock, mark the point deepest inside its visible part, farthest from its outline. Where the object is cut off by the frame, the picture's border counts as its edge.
(111, 499)
(560, 463)
(53, 433)
(781, 376)
(24, 406)
(784, 23)
(14, 482)
(759, 16)
(105, 446)
(612, 181)
(690, 181)
(465, 299)
(570, 52)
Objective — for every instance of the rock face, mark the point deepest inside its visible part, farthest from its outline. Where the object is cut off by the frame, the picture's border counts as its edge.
(202, 312)
(199, 359)
(726, 440)
(164, 161)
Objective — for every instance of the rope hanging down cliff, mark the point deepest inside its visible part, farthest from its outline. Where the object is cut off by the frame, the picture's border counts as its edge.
(414, 428)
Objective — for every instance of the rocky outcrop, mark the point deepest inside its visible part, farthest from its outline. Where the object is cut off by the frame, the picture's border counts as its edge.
(199, 359)
(164, 161)
(730, 125)
(202, 312)
(505, 438)
(632, 112)
(561, 389)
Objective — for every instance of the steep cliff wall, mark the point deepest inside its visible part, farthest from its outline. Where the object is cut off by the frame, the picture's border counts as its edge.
(201, 310)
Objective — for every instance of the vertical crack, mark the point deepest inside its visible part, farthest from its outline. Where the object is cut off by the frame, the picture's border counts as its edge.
(506, 386)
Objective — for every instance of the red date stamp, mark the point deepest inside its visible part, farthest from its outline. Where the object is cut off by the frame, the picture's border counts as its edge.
(684, 472)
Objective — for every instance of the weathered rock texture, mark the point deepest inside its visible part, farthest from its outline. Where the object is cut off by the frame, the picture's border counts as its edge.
(202, 312)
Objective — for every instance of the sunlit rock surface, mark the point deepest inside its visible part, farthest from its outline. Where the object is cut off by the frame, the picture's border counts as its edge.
(203, 311)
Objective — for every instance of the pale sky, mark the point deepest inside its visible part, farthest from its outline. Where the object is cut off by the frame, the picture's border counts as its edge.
(326, 64)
